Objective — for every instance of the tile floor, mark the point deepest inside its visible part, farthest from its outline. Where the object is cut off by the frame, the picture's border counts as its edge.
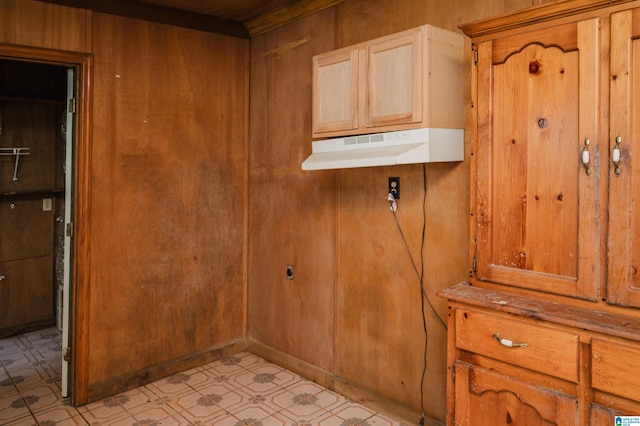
(241, 390)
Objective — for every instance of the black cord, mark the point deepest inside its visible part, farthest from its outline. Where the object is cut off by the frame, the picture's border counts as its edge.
(420, 275)
(423, 293)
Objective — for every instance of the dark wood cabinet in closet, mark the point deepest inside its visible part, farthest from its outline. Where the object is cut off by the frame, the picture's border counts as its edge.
(31, 185)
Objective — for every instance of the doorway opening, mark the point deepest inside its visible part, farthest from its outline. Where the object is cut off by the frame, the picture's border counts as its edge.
(39, 138)
(32, 200)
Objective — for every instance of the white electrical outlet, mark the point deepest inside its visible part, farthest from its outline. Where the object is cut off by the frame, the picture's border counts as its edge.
(47, 204)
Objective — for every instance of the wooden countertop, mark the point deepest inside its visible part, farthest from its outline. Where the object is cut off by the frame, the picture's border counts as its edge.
(574, 316)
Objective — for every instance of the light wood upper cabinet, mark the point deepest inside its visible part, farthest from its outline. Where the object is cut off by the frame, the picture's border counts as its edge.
(623, 284)
(536, 204)
(403, 81)
(394, 80)
(335, 88)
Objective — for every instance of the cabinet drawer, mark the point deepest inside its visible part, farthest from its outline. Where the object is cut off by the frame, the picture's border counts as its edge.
(547, 350)
(615, 368)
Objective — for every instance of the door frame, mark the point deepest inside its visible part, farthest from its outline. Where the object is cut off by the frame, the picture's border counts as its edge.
(83, 62)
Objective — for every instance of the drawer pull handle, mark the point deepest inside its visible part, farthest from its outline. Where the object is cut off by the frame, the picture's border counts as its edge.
(509, 343)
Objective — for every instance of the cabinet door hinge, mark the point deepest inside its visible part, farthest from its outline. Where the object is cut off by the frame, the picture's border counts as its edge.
(475, 264)
(475, 57)
(66, 354)
(69, 231)
(453, 373)
(72, 105)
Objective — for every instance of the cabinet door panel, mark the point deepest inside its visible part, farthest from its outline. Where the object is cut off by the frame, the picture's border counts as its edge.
(335, 91)
(487, 398)
(623, 286)
(615, 369)
(394, 79)
(33, 126)
(536, 206)
(26, 291)
(604, 416)
(26, 230)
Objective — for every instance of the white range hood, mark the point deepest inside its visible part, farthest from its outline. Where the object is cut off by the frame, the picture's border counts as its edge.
(424, 145)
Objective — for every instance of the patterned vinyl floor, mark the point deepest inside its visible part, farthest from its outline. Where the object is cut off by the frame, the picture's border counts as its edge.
(241, 390)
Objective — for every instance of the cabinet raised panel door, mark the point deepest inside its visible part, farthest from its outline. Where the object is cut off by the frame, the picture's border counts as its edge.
(623, 284)
(335, 91)
(394, 71)
(536, 202)
(487, 398)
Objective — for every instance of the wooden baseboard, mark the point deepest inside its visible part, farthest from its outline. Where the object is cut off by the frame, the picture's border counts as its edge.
(142, 377)
(14, 330)
(353, 391)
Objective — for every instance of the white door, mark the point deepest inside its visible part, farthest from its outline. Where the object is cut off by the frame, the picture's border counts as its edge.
(68, 220)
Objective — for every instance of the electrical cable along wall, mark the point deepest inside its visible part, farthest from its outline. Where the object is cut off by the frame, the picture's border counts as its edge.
(420, 274)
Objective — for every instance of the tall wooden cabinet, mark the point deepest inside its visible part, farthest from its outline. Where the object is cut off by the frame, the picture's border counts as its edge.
(548, 327)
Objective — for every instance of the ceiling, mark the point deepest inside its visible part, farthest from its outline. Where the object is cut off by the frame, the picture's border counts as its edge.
(230, 10)
(238, 18)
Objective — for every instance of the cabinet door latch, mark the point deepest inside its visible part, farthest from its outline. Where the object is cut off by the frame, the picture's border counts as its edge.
(586, 161)
(615, 156)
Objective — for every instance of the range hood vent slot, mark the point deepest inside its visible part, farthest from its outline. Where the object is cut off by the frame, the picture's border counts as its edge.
(424, 145)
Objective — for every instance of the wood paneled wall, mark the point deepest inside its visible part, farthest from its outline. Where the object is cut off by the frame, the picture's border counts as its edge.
(166, 220)
(292, 214)
(353, 276)
(167, 203)
(168, 194)
(31, 23)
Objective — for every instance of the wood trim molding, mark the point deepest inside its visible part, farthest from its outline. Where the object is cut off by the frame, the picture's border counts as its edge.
(41, 55)
(534, 15)
(284, 15)
(160, 14)
(81, 241)
(81, 260)
(142, 377)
